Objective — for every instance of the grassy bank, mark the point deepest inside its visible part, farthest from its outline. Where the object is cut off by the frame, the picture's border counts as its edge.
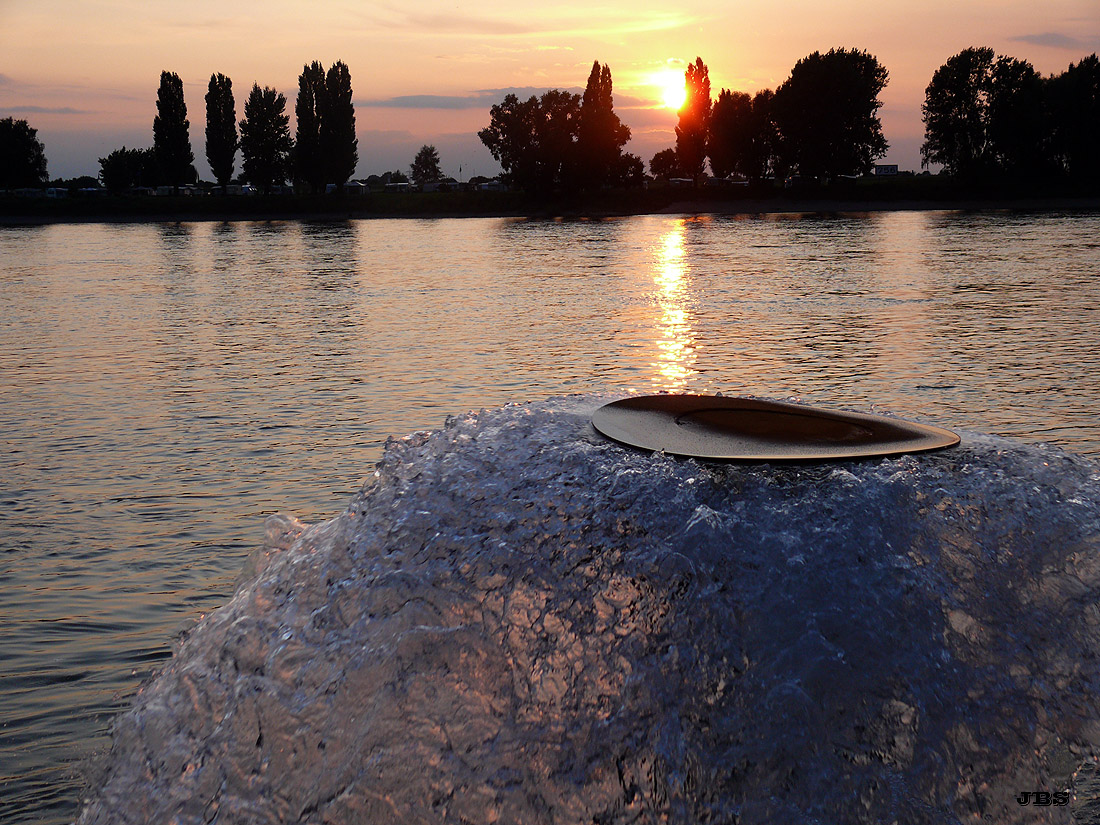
(866, 194)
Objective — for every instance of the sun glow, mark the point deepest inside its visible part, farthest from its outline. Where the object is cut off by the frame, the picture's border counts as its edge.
(673, 91)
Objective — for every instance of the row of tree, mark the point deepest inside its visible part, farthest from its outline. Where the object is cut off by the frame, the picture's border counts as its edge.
(562, 140)
(821, 122)
(989, 115)
(324, 149)
(984, 116)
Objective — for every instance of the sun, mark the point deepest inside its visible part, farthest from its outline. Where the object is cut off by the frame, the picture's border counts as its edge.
(673, 89)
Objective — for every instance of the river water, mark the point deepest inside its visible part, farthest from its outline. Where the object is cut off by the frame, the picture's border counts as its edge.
(168, 386)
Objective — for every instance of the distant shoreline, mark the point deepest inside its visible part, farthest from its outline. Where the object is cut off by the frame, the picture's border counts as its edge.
(825, 206)
(506, 205)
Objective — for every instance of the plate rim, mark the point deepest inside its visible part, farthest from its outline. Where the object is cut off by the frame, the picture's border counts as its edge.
(926, 437)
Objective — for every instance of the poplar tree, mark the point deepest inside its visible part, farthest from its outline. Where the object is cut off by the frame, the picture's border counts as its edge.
(221, 128)
(600, 134)
(338, 144)
(308, 111)
(171, 141)
(265, 138)
(691, 132)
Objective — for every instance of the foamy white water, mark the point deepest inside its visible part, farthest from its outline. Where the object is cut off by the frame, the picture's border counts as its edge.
(519, 621)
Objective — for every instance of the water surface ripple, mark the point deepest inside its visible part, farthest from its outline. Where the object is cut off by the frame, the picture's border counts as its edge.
(167, 386)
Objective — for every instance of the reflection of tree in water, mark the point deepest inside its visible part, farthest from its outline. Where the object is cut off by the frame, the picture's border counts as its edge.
(224, 248)
(331, 270)
(170, 233)
(330, 247)
(176, 242)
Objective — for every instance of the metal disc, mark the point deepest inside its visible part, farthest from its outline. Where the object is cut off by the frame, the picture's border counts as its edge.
(746, 429)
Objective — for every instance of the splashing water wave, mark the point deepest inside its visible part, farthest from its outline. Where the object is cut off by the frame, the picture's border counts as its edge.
(519, 621)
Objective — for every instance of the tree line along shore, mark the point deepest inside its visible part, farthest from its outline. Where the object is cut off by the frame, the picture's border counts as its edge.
(996, 127)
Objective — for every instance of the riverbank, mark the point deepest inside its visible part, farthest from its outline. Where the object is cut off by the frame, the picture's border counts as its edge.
(836, 205)
(605, 204)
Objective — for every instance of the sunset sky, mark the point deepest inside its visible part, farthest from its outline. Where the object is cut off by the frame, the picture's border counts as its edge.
(85, 73)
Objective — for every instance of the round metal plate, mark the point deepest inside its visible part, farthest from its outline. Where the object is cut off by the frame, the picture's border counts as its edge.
(746, 429)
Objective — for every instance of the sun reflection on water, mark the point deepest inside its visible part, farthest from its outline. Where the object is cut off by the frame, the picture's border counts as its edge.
(676, 344)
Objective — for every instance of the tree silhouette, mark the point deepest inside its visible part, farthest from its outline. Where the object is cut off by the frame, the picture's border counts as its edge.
(309, 167)
(742, 139)
(691, 132)
(22, 155)
(730, 143)
(956, 114)
(512, 139)
(425, 166)
(986, 114)
(124, 169)
(535, 140)
(1018, 121)
(629, 170)
(338, 143)
(559, 128)
(265, 138)
(762, 157)
(221, 128)
(171, 140)
(664, 165)
(600, 134)
(827, 113)
(1074, 99)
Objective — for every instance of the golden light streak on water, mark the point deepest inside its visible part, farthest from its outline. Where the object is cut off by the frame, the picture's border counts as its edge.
(676, 345)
